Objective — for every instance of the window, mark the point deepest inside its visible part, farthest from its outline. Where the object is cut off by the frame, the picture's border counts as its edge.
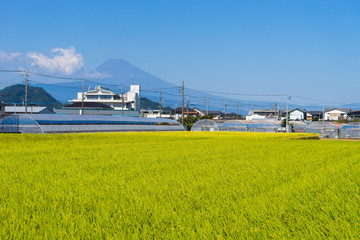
(92, 97)
(105, 97)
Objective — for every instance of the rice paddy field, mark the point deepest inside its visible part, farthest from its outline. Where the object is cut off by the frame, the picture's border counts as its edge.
(184, 185)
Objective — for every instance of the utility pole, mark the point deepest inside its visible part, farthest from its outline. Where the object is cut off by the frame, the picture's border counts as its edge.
(287, 113)
(122, 100)
(83, 97)
(225, 109)
(182, 105)
(26, 86)
(207, 106)
(160, 104)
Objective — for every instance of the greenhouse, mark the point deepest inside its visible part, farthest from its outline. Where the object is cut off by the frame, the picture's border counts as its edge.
(205, 125)
(351, 130)
(263, 126)
(234, 126)
(326, 130)
(53, 123)
(298, 126)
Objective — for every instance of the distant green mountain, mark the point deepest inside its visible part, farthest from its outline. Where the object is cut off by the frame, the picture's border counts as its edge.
(15, 94)
(147, 103)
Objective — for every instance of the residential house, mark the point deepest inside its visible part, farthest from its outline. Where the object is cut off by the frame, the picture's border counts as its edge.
(262, 114)
(335, 114)
(355, 113)
(214, 114)
(314, 114)
(187, 112)
(156, 113)
(297, 114)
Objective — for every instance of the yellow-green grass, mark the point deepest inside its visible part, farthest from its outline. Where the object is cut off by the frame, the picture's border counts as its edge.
(178, 185)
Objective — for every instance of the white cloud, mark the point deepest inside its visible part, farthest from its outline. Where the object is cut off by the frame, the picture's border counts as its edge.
(7, 57)
(65, 61)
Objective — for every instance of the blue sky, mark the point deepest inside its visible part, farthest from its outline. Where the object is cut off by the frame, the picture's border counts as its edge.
(307, 48)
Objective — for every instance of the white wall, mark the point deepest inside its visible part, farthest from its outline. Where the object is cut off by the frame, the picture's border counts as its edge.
(296, 115)
(334, 115)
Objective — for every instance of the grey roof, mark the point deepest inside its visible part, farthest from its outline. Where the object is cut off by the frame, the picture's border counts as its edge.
(315, 112)
(88, 105)
(21, 109)
(346, 110)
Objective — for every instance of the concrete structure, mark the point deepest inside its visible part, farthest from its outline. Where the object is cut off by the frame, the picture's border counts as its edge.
(30, 110)
(127, 101)
(335, 114)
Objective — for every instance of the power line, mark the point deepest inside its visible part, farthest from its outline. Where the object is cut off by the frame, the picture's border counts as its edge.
(167, 88)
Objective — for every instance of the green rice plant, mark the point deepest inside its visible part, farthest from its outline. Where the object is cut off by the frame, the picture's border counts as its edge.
(208, 185)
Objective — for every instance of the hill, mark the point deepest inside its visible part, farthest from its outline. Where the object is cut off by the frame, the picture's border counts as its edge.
(15, 94)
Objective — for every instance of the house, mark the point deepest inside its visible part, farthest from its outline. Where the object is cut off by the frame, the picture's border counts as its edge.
(30, 110)
(262, 114)
(231, 116)
(254, 117)
(156, 113)
(187, 112)
(313, 115)
(297, 114)
(214, 114)
(268, 113)
(355, 113)
(93, 108)
(335, 114)
(127, 101)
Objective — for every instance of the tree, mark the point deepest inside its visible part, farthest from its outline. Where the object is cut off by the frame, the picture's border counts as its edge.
(189, 122)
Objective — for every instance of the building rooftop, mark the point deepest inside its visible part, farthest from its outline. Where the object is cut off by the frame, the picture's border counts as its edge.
(88, 105)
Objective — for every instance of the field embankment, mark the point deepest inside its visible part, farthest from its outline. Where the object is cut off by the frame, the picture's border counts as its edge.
(178, 185)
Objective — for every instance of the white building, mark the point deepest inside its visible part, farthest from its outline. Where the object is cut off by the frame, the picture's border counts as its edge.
(297, 114)
(335, 114)
(255, 117)
(127, 101)
(156, 114)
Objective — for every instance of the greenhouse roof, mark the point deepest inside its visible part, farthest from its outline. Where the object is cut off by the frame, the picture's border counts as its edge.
(93, 119)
